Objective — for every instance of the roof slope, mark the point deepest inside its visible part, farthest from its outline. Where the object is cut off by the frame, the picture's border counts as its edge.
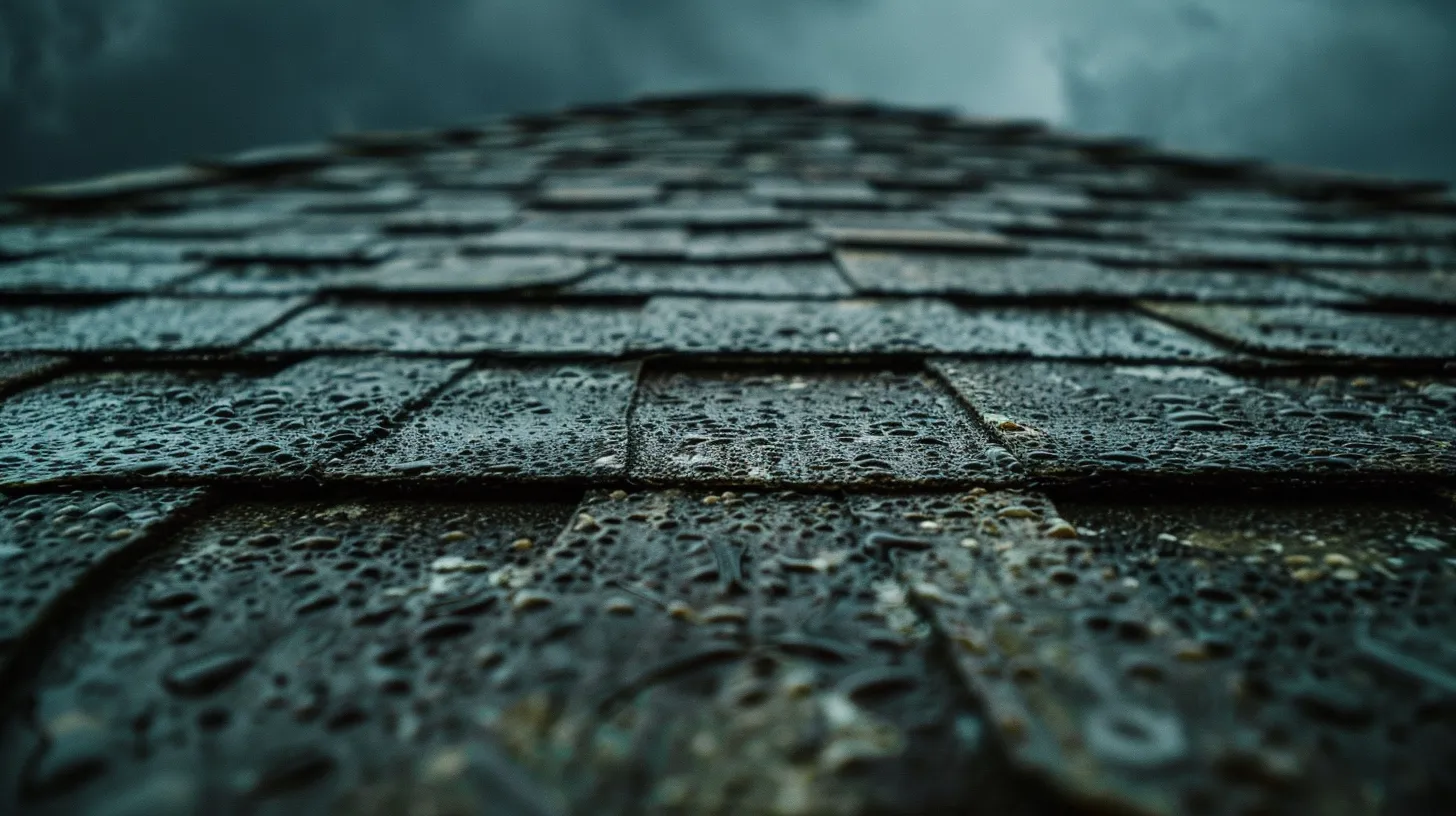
(755, 454)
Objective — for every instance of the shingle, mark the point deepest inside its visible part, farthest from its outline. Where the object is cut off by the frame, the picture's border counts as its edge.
(22, 323)
(587, 195)
(263, 279)
(386, 198)
(1300, 331)
(711, 325)
(825, 428)
(18, 369)
(793, 279)
(27, 240)
(1114, 253)
(52, 545)
(466, 273)
(1397, 287)
(446, 222)
(116, 187)
(183, 425)
(1084, 420)
(714, 214)
(916, 238)
(622, 623)
(483, 178)
(529, 423)
(457, 328)
(857, 327)
(1196, 625)
(63, 274)
(222, 223)
(155, 324)
(296, 248)
(140, 251)
(213, 627)
(268, 161)
(755, 245)
(634, 243)
(1215, 250)
(1020, 277)
(795, 193)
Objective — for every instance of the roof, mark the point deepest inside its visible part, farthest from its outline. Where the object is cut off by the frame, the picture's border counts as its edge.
(731, 453)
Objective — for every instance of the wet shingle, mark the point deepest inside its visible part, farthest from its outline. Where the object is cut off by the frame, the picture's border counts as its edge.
(51, 545)
(628, 243)
(58, 275)
(1303, 331)
(1138, 656)
(829, 428)
(1017, 277)
(203, 224)
(323, 247)
(1395, 287)
(875, 327)
(818, 194)
(765, 279)
(737, 214)
(533, 423)
(27, 240)
(453, 217)
(118, 187)
(180, 424)
(914, 237)
(156, 324)
(458, 328)
(254, 602)
(755, 245)
(474, 273)
(16, 369)
(1086, 419)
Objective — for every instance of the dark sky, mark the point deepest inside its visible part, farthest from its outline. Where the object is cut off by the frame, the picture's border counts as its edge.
(94, 85)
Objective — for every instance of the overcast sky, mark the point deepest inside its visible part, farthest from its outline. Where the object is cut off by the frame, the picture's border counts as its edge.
(94, 85)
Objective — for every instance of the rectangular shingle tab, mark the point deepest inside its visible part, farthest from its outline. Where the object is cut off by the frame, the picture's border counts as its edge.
(632, 243)
(296, 248)
(155, 324)
(755, 245)
(1177, 421)
(765, 279)
(1396, 287)
(1307, 331)
(795, 193)
(60, 275)
(1021, 277)
(457, 328)
(223, 223)
(857, 327)
(27, 240)
(829, 428)
(182, 425)
(524, 423)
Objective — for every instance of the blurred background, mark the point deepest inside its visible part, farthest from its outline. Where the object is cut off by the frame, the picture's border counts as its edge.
(93, 85)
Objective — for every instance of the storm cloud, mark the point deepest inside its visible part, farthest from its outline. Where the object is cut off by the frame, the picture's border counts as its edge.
(94, 85)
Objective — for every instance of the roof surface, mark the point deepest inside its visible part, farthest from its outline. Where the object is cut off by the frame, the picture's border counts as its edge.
(751, 454)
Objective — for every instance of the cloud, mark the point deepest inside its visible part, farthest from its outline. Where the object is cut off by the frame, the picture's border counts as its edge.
(90, 85)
